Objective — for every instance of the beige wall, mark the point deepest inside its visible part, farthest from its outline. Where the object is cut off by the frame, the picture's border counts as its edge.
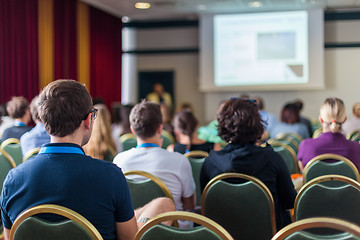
(342, 70)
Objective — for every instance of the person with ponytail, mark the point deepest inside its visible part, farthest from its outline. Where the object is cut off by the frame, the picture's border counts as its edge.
(185, 128)
(332, 116)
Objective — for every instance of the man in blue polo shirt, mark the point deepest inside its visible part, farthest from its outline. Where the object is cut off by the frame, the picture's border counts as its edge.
(62, 174)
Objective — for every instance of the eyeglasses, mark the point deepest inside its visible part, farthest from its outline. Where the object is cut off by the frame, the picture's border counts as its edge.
(94, 113)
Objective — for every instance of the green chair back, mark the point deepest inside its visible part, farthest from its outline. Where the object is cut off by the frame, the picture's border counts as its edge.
(317, 132)
(296, 137)
(6, 164)
(319, 167)
(352, 134)
(316, 199)
(29, 227)
(288, 155)
(13, 148)
(355, 137)
(297, 230)
(128, 141)
(168, 139)
(142, 192)
(208, 229)
(246, 210)
(196, 165)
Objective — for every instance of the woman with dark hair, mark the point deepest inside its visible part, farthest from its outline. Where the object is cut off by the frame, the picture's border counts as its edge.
(290, 122)
(185, 128)
(241, 126)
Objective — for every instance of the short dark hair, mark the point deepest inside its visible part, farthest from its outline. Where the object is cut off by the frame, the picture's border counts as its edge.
(34, 109)
(290, 113)
(145, 118)
(185, 122)
(62, 105)
(17, 107)
(239, 121)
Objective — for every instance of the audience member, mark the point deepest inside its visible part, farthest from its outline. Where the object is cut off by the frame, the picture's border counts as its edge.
(290, 122)
(354, 123)
(5, 120)
(185, 127)
(269, 119)
(299, 104)
(101, 144)
(166, 118)
(159, 95)
(332, 116)
(18, 109)
(62, 174)
(172, 168)
(37, 136)
(241, 126)
(121, 125)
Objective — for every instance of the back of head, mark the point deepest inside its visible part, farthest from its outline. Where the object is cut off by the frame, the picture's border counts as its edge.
(239, 121)
(34, 109)
(290, 114)
(62, 105)
(145, 118)
(333, 113)
(185, 122)
(17, 107)
(101, 137)
(356, 110)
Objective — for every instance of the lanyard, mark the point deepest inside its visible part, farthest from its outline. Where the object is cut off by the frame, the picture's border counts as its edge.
(60, 149)
(18, 124)
(147, 145)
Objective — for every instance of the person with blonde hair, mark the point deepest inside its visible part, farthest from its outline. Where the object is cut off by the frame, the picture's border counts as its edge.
(101, 144)
(332, 116)
(354, 123)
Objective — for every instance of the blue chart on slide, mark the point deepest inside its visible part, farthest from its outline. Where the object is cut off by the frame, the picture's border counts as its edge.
(267, 48)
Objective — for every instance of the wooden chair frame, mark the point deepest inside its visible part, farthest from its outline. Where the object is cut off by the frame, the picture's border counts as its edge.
(59, 210)
(30, 153)
(187, 216)
(317, 222)
(330, 156)
(320, 179)
(248, 178)
(9, 141)
(197, 154)
(292, 152)
(157, 180)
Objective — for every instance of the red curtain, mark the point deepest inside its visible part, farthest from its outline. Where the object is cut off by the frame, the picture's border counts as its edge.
(19, 73)
(65, 39)
(105, 56)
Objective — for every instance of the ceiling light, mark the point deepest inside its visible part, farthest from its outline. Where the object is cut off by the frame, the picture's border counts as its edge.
(255, 4)
(142, 5)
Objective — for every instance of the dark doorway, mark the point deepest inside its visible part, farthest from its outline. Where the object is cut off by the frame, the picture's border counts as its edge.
(148, 79)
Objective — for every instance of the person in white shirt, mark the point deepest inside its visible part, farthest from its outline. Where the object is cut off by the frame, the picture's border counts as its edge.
(172, 168)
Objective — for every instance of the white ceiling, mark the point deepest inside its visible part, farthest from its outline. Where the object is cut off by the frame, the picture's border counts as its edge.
(167, 9)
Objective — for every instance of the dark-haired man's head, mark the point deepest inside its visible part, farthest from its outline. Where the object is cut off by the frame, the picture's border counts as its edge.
(145, 119)
(63, 105)
(34, 109)
(239, 121)
(290, 113)
(18, 108)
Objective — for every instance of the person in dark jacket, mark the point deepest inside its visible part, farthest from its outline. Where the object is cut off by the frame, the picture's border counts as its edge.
(241, 126)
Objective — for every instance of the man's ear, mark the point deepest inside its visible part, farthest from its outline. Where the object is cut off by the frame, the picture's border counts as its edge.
(132, 130)
(87, 121)
(159, 129)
